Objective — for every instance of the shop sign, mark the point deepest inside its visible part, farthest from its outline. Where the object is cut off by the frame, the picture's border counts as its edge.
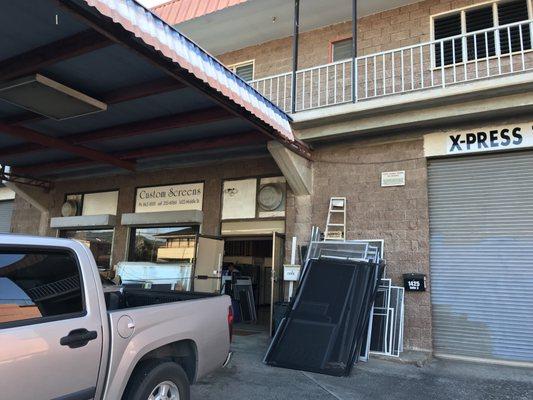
(170, 198)
(393, 178)
(487, 139)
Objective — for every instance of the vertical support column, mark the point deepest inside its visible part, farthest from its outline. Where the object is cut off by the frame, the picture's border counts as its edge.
(295, 39)
(354, 50)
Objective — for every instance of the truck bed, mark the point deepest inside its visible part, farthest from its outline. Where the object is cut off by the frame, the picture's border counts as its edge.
(129, 298)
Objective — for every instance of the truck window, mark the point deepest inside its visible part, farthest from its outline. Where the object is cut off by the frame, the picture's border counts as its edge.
(36, 286)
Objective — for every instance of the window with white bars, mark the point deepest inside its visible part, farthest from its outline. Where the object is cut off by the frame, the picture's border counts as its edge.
(479, 18)
(244, 70)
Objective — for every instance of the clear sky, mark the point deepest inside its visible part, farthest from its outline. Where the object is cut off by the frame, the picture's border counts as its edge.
(151, 3)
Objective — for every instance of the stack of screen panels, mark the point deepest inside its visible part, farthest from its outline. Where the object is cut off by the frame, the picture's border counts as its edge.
(326, 325)
(386, 336)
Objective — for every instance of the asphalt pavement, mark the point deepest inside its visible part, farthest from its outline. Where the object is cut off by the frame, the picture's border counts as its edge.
(246, 377)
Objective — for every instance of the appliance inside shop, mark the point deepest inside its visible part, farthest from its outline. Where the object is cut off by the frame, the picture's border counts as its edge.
(167, 249)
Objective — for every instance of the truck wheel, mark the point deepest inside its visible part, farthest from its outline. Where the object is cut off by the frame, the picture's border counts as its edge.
(156, 380)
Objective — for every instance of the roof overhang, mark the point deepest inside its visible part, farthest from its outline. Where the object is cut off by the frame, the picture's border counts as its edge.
(257, 21)
(168, 102)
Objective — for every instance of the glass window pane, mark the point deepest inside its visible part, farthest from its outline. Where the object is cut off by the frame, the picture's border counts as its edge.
(446, 27)
(99, 241)
(38, 284)
(508, 13)
(160, 258)
(246, 72)
(342, 50)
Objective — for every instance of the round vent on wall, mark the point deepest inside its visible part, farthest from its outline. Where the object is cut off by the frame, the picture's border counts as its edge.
(270, 197)
(69, 208)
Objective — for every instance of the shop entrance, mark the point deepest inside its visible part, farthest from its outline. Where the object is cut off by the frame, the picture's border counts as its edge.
(256, 261)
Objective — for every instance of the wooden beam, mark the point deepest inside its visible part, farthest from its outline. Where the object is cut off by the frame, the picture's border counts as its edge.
(36, 59)
(158, 124)
(141, 90)
(222, 142)
(132, 129)
(30, 135)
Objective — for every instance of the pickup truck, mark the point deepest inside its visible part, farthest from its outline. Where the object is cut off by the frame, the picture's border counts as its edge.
(62, 336)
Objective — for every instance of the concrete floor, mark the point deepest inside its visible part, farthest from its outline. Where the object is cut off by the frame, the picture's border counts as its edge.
(247, 378)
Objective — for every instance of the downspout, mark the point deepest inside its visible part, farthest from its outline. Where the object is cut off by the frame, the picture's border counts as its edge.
(354, 51)
(295, 40)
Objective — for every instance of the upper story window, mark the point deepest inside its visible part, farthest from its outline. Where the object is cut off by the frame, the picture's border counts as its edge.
(341, 50)
(480, 18)
(244, 70)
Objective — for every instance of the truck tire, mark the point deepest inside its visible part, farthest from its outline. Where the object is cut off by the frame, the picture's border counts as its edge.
(160, 379)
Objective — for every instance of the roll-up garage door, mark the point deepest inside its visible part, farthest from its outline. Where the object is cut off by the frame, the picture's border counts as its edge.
(6, 211)
(481, 249)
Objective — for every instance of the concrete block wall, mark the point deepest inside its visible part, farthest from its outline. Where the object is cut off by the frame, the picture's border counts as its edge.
(26, 219)
(391, 29)
(399, 215)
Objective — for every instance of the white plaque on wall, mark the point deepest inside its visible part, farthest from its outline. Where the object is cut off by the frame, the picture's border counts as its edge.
(238, 199)
(100, 203)
(393, 178)
(170, 198)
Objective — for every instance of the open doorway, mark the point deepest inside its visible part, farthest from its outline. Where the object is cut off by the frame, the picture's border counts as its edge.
(252, 260)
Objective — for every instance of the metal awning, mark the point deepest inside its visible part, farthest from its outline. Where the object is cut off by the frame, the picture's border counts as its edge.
(161, 99)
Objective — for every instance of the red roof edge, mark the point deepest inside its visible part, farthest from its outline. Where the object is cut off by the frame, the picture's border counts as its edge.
(177, 11)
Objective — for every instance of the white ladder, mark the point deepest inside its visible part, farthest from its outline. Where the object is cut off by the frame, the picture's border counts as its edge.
(336, 219)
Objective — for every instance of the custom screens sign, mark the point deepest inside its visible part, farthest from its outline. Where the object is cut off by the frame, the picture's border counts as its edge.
(170, 198)
(495, 138)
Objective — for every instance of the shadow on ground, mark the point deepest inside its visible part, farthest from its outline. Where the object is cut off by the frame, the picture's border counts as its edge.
(247, 377)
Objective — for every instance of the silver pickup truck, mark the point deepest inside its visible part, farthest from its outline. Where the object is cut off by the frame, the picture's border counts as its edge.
(63, 337)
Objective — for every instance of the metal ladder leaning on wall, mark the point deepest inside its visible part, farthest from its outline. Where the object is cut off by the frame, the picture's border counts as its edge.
(336, 222)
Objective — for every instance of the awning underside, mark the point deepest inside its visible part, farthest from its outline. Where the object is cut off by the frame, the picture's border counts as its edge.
(158, 114)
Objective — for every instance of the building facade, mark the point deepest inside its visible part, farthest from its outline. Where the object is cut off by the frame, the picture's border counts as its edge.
(454, 71)
(439, 95)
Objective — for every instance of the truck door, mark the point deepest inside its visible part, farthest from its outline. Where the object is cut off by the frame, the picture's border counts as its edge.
(50, 326)
(208, 266)
(276, 277)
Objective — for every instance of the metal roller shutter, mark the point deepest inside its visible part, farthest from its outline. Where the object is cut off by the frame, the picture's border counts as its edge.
(6, 210)
(481, 249)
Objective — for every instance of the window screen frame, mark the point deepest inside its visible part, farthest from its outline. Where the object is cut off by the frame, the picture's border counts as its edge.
(54, 318)
(233, 68)
(462, 11)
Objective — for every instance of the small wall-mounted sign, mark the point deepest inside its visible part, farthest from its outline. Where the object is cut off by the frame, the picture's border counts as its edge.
(291, 273)
(393, 178)
(414, 282)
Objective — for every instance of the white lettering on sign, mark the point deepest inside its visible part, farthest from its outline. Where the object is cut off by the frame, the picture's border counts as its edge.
(414, 285)
(170, 198)
(496, 138)
(393, 178)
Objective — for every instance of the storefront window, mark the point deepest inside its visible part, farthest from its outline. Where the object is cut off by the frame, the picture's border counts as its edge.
(160, 257)
(99, 241)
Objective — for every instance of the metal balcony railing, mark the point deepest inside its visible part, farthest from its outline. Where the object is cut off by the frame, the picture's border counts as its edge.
(437, 64)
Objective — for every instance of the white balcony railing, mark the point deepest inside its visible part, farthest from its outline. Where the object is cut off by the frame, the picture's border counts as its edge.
(439, 63)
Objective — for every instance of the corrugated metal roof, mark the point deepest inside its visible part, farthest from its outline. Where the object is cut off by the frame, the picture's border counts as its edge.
(158, 34)
(177, 11)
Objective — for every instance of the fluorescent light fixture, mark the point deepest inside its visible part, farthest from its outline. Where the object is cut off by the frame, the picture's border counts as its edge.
(49, 98)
